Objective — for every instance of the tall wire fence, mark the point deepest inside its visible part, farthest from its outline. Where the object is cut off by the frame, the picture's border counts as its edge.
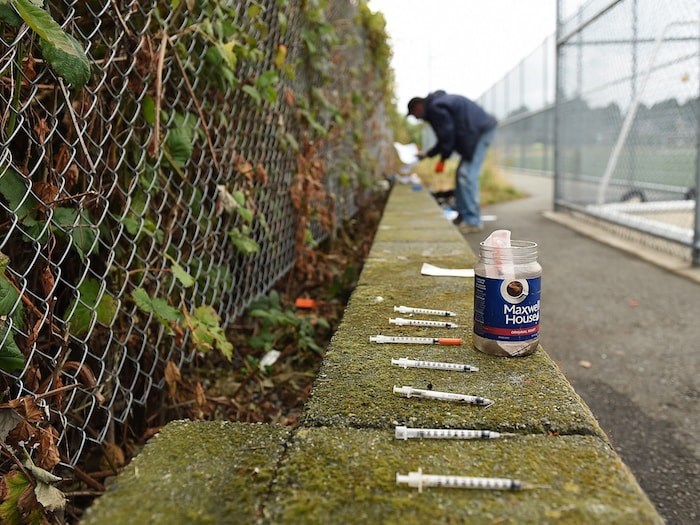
(617, 120)
(142, 213)
(523, 103)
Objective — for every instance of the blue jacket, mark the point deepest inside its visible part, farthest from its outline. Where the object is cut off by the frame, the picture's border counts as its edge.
(458, 123)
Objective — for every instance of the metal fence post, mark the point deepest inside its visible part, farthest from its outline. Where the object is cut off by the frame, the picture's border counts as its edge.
(557, 110)
(695, 255)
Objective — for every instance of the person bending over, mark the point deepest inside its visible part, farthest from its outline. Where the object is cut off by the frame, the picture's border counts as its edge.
(461, 126)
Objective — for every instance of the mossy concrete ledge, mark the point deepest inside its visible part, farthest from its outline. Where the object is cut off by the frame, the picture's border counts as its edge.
(195, 472)
(340, 465)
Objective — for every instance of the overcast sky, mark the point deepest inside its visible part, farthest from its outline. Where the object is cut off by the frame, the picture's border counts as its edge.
(461, 46)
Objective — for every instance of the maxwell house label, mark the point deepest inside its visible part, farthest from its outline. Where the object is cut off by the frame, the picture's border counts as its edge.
(507, 309)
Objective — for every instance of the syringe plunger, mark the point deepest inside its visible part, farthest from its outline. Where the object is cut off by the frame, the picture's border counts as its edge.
(402, 432)
(425, 311)
(420, 480)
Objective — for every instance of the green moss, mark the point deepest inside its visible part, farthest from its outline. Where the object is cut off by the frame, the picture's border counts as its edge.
(195, 473)
(348, 476)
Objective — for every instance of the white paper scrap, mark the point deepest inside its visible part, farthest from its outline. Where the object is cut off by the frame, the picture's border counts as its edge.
(407, 153)
(429, 269)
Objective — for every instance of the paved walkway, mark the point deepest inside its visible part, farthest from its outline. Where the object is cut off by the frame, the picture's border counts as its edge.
(626, 334)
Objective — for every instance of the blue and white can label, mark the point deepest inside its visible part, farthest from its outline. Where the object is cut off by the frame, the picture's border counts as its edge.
(507, 309)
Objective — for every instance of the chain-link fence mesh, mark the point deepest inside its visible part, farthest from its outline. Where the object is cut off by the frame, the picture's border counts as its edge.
(628, 113)
(180, 177)
(523, 103)
(624, 120)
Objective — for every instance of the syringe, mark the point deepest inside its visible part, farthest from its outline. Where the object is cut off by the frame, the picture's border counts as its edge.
(415, 340)
(402, 432)
(426, 311)
(420, 480)
(400, 321)
(409, 391)
(435, 365)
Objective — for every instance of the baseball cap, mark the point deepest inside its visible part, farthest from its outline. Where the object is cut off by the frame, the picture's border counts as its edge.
(412, 104)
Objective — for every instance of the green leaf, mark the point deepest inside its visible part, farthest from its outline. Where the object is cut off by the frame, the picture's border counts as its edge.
(8, 15)
(267, 79)
(4, 263)
(61, 51)
(82, 235)
(253, 93)
(227, 50)
(42, 24)
(16, 191)
(104, 308)
(207, 333)
(180, 273)
(10, 302)
(180, 138)
(242, 242)
(291, 141)
(16, 483)
(239, 197)
(282, 19)
(73, 67)
(148, 110)
(11, 357)
(254, 10)
(132, 224)
(160, 308)
(245, 214)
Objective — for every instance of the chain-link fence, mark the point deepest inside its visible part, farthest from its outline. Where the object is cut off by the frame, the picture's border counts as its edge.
(141, 214)
(523, 103)
(617, 118)
(628, 109)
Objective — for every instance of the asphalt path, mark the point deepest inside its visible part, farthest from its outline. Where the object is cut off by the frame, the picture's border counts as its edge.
(626, 333)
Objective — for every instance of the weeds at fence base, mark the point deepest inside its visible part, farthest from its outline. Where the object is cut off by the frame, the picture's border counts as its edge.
(213, 388)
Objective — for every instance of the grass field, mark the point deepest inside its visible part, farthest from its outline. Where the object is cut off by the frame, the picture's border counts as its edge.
(673, 166)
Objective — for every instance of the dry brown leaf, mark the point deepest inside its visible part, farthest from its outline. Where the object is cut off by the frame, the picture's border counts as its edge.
(289, 97)
(3, 486)
(113, 457)
(46, 192)
(23, 432)
(172, 377)
(48, 282)
(8, 420)
(261, 173)
(47, 453)
(27, 500)
(41, 129)
(29, 70)
(178, 333)
(71, 177)
(58, 383)
(32, 378)
(34, 333)
(32, 412)
(199, 396)
(245, 168)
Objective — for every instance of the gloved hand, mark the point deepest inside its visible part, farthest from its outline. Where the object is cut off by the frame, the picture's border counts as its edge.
(440, 166)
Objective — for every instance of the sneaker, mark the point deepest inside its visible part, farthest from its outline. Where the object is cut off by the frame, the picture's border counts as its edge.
(470, 228)
(457, 220)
